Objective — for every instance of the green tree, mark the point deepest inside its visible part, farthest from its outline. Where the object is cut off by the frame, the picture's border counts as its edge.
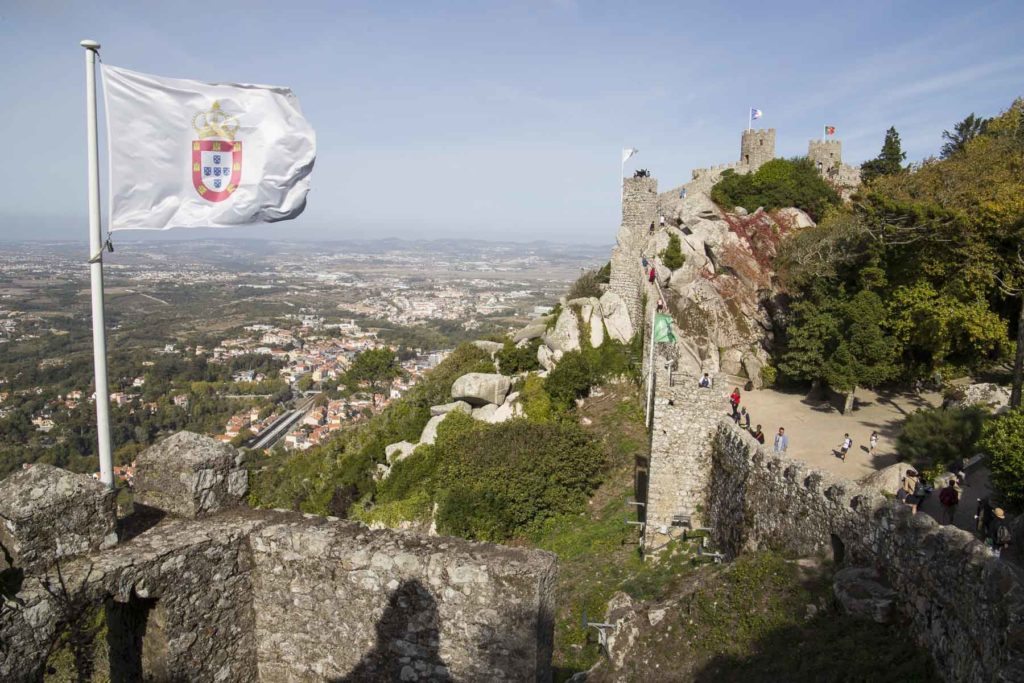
(777, 184)
(936, 437)
(963, 132)
(1002, 438)
(888, 162)
(672, 255)
(376, 369)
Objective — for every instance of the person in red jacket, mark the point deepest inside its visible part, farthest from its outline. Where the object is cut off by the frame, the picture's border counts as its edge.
(734, 400)
(650, 276)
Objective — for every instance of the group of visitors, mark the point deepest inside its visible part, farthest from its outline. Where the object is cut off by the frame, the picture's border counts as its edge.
(847, 444)
(741, 416)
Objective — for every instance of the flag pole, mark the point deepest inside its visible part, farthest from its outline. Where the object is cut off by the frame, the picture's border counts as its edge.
(99, 338)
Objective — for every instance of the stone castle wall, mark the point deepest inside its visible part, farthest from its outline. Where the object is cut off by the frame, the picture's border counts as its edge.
(639, 212)
(962, 603)
(679, 469)
(250, 595)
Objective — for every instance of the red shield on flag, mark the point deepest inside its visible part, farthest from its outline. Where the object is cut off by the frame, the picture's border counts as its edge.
(216, 168)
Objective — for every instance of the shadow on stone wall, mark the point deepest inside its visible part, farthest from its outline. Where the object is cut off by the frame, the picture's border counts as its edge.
(408, 640)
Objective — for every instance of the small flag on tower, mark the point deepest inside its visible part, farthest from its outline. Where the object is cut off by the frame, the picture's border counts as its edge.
(627, 153)
(755, 114)
(830, 130)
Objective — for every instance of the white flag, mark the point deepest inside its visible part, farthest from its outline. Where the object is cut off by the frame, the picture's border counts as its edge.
(187, 154)
(627, 153)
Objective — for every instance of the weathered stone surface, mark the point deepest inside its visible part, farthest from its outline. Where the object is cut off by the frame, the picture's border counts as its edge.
(450, 407)
(862, 594)
(887, 479)
(752, 368)
(531, 331)
(488, 346)
(190, 475)
(507, 410)
(731, 362)
(992, 396)
(565, 335)
(414, 608)
(48, 514)
(616, 317)
(796, 218)
(485, 413)
(545, 357)
(398, 452)
(429, 433)
(596, 331)
(480, 388)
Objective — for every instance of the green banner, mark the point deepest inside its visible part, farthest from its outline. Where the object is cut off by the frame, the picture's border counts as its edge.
(663, 328)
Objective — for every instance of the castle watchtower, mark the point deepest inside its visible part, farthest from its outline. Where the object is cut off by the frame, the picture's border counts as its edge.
(757, 147)
(826, 155)
(639, 213)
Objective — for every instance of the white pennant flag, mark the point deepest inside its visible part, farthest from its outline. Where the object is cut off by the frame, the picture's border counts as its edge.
(627, 153)
(187, 154)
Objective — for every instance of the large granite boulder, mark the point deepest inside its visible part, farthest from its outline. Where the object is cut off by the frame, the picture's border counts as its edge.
(887, 480)
(532, 331)
(481, 388)
(863, 595)
(397, 452)
(616, 317)
(545, 357)
(795, 218)
(190, 475)
(992, 396)
(47, 514)
(565, 335)
(451, 407)
(429, 433)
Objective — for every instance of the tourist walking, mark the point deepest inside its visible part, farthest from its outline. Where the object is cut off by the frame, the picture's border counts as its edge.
(651, 275)
(950, 498)
(999, 531)
(643, 260)
(983, 517)
(759, 435)
(734, 400)
(845, 447)
(909, 492)
(746, 418)
(781, 442)
(874, 443)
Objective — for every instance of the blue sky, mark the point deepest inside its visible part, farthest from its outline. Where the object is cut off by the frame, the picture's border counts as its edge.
(505, 120)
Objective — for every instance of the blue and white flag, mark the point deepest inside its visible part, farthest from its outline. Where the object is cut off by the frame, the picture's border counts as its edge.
(755, 114)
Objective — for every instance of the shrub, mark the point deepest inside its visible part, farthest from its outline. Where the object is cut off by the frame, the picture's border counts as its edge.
(769, 374)
(672, 255)
(777, 184)
(1002, 438)
(571, 379)
(513, 359)
(504, 480)
(586, 285)
(936, 437)
(535, 400)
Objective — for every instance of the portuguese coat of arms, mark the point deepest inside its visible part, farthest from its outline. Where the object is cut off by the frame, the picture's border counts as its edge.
(216, 155)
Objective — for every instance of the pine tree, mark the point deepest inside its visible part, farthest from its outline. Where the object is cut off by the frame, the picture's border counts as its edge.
(888, 162)
(672, 256)
(963, 132)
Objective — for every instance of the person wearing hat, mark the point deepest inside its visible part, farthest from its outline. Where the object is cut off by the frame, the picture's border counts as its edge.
(999, 531)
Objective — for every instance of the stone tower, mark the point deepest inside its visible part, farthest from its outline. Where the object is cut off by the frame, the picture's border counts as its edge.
(639, 213)
(827, 155)
(757, 147)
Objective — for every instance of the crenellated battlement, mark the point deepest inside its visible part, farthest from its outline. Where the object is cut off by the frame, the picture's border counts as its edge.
(202, 588)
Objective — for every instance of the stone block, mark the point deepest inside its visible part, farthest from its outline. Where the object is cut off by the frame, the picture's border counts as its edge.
(481, 388)
(47, 514)
(190, 475)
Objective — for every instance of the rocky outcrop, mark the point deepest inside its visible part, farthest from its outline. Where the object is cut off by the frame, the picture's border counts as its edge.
(429, 434)
(450, 407)
(887, 480)
(992, 396)
(565, 335)
(616, 318)
(481, 388)
(398, 452)
(862, 593)
(532, 331)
